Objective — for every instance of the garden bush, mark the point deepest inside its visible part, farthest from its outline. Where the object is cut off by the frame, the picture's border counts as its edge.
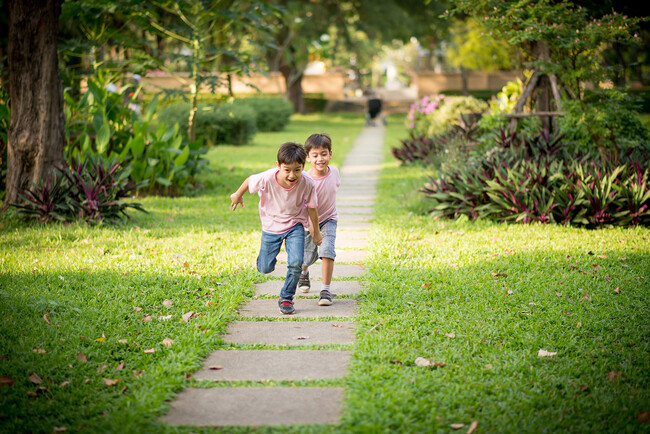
(228, 123)
(272, 113)
(535, 179)
(433, 115)
(93, 191)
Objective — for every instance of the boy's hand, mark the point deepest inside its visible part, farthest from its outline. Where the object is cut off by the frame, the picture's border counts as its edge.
(235, 200)
(317, 238)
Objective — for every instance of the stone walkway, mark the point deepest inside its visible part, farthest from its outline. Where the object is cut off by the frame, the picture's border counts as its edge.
(259, 404)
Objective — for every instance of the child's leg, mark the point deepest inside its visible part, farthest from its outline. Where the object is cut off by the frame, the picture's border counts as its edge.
(327, 254)
(269, 249)
(294, 243)
(310, 256)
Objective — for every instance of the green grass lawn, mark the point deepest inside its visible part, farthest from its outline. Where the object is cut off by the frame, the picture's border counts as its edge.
(80, 306)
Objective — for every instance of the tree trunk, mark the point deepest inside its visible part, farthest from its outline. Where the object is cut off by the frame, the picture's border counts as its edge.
(464, 80)
(36, 132)
(293, 84)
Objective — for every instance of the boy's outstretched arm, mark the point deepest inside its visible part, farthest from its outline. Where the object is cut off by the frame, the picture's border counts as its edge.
(316, 235)
(238, 197)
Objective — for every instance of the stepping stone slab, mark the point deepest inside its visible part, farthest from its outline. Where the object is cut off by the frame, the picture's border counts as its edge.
(255, 406)
(352, 244)
(351, 210)
(344, 226)
(305, 308)
(340, 270)
(345, 218)
(342, 256)
(351, 235)
(340, 287)
(261, 365)
(354, 202)
(290, 332)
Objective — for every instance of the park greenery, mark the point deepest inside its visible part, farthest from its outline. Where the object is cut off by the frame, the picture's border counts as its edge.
(102, 325)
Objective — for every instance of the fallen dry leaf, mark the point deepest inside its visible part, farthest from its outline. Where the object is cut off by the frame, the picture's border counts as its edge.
(488, 366)
(39, 351)
(46, 317)
(167, 303)
(137, 309)
(421, 361)
(65, 383)
(168, 342)
(584, 388)
(532, 303)
(82, 357)
(643, 417)
(102, 339)
(456, 425)
(102, 368)
(150, 351)
(60, 429)
(147, 318)
(210, 303)
(450, 335)
(439, 364)
(410, 303)
(579, 325)
(34, 378)
(109, 382)
(337, 325)
(602, 256)
(510, 291)
(559, 294)
(300, 338)
(617, 291)
(6, 381)
(137, 374)
(472, 427)
(124, 389)
(613, 375)
(165, 318)
(186, 317)
(120, 366)
(123, 341)
(215, 367)
(426, 285)
(544, 353)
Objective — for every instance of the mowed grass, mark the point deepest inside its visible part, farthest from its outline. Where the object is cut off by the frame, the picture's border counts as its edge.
(83, 306)
(484, 298)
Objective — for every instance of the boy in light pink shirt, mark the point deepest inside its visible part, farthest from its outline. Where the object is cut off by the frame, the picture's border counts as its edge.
(327, 180)
(288, 202)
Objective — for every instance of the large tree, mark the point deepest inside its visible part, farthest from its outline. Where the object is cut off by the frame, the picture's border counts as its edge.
(36, 132)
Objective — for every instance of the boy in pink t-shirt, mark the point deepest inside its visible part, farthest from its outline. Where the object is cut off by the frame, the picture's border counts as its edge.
(327, 179)
(288, 201)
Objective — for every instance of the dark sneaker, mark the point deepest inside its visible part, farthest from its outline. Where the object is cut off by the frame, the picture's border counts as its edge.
(303, 283)
(325, 298)
(286, 306)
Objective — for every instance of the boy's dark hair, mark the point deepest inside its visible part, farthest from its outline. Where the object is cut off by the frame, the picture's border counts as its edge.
(317, 141)
(290, 153)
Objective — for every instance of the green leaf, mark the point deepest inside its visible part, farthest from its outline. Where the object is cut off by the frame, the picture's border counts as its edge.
(181, 159)
(137, 146)
(163, 181)
(151, 109)
(103, 137)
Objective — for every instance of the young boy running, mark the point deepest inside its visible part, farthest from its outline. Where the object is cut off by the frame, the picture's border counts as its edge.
(327, 179)
(288, 201)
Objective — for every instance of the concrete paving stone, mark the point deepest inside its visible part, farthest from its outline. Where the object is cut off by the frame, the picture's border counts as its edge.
(342, 270)
(351, 235)
(351, 244)
(353, 202)
(294, 333)
(355, 217)
(339, 287)
(342, 256)
(349, 209)
(256, 406)
(261, 365)
(305, 308)
(344, 226)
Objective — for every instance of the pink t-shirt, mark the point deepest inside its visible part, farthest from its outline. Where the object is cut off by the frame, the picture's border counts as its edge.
(282, 208)
(326, 188)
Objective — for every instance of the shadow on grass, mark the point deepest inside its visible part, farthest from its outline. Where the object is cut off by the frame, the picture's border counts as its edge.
(81, 331)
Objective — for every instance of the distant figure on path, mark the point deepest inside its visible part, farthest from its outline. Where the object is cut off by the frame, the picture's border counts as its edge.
(288, 202)
(374, 110)
(327, 179)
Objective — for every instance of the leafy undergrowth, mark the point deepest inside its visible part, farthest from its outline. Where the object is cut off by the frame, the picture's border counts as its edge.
(99, 326)
(482, 302)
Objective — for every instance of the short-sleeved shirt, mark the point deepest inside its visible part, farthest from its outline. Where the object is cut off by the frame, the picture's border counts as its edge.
(326, 188)
(282, 208)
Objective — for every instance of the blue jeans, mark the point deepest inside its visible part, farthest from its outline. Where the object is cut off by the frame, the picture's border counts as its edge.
(294, 243)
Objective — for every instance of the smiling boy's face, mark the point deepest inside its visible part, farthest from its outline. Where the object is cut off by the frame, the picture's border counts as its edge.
(289, 174)
(320, 160)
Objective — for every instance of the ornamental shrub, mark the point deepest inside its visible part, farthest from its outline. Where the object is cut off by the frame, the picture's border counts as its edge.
(228, 123)
(433, 115)
(535, 179)
(272, 113)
